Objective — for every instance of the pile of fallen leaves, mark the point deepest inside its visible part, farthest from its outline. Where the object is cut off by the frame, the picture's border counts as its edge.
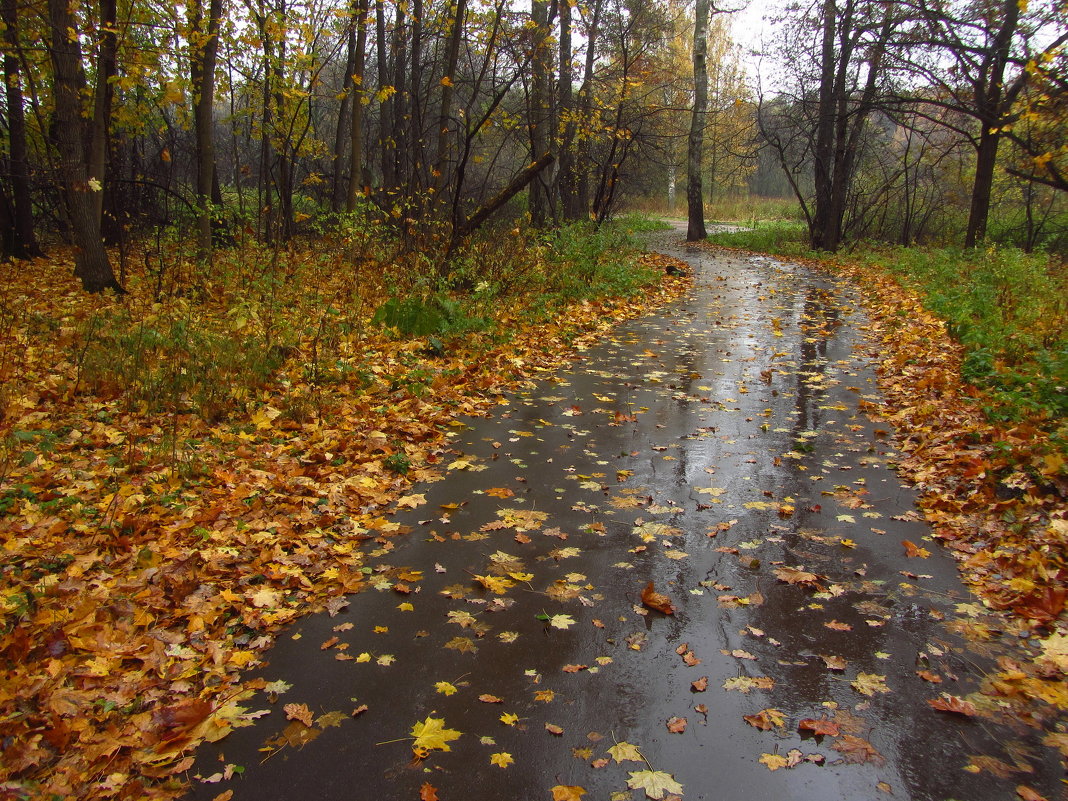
(149, 557)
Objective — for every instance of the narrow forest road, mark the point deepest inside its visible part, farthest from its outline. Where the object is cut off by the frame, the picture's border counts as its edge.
(719, 449)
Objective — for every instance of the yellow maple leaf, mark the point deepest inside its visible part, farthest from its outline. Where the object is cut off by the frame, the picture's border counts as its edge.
(495, 584)
(773, 761)
(502, 759)
(445, 688)
(509, 718)
(431, 735)
(568, 792)
(624, 751)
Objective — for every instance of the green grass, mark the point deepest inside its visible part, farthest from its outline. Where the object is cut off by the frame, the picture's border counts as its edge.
(1008, 308)
(777, 237)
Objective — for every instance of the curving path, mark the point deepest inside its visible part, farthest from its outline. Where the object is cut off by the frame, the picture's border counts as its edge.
(721, 450)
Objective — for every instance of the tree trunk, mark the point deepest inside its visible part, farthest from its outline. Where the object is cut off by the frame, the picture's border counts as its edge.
(582, 149)
(107, 61)
(343, 131)
(821, 237)
(202, 59)
(356, 133)
(539, 117)
(442, 171)
(989, 102)
(695, 229)
(23, 243)
(386, 125)
(91, 263)
(566, 181)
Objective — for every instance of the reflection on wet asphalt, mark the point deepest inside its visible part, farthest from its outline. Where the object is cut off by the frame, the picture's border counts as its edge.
(720, 449)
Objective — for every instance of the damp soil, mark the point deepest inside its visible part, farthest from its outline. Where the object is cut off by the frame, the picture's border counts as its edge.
(703, 448)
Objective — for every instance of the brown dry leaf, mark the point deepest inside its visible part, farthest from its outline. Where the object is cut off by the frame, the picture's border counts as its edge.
(798, 576)
(298, 712)
(766, 719)
(486, 698)
(834, 662)
(857, 750)
(837, 626)
(700, 685)
(428, 792)
(676, 725)
(819, 726)
(552, 728)
(930, 676)
(953, 703)
(658, 601)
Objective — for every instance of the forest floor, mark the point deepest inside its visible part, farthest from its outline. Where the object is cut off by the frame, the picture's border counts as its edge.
(685, 564)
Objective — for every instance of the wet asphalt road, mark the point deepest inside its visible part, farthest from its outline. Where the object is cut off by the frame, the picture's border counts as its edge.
(714, 448)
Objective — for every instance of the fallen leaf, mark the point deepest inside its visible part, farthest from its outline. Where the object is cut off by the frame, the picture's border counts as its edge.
(819, 726)
(509, 719)
(552, 728)
(953, 703)
(298, 712)
(773, 761)
(428, 792)
(486, 698)
(914, 550)
(658, 601)
(430, 735)
(746, 683)
(857, 750)
(502, 759)
(766, 719)
(700, 685)
(567, 792)
(676, 725)
(655, 783)
(625, 751)
(869, 684)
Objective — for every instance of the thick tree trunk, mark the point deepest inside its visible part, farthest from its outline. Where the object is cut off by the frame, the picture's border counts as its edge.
(695, 202)
(23, 242)
(91, 263)
(202, 60)
(356, 133)
(990, 103)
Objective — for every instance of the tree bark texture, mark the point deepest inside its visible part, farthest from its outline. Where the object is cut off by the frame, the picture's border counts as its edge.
(695, 228)
(23, 242)
(91, 263)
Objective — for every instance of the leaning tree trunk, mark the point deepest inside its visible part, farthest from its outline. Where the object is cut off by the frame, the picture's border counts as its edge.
(695, 229)
(91, 263)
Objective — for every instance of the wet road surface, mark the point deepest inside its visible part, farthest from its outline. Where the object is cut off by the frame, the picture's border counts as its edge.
(721, 450)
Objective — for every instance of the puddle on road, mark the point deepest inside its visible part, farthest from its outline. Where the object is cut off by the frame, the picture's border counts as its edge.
(717, 450)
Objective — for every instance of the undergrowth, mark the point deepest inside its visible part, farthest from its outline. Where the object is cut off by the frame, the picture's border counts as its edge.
(1008, 309)
(207, 341)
